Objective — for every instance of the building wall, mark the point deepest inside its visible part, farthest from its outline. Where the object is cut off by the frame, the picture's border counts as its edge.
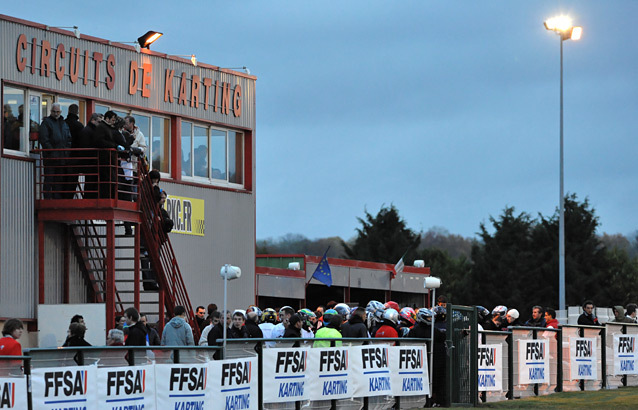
(230, 225)
(18, 243)
(230, 214)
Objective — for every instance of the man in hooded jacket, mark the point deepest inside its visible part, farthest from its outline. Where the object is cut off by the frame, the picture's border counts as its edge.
(177, 332)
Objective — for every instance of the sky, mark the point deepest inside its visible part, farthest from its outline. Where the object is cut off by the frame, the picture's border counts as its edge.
(448, 110)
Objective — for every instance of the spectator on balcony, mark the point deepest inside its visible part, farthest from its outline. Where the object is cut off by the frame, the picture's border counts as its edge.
(537, 319)
(107, 136)
(588, 317)
(75, 167)
(90, 157)
(55, 134)
(178, 332)
(76, 335)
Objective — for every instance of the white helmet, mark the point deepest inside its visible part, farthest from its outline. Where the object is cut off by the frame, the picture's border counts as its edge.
(343, 310)
(391, 315)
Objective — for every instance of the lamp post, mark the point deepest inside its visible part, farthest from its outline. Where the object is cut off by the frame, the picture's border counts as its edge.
(432, 283)
(227, 273)
(562, 26)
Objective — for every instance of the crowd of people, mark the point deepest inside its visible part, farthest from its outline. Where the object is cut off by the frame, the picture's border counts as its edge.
(332, 321)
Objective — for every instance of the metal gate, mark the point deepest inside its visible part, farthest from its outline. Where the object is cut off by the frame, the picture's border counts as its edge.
(462, 353)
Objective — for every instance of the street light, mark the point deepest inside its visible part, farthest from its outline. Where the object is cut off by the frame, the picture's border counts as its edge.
(562, 25)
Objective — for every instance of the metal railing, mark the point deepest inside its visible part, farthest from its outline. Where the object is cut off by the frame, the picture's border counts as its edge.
(85, 173)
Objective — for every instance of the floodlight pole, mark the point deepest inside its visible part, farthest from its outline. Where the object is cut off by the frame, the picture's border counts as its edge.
(432, 340)
(225, 313)
(561, 214)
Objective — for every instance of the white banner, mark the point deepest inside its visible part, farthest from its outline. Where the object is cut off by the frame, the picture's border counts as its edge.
(285, 371)
(409, 371)
(329, 374)
(13, 393)
(233, 384)
(370, 364)
(583, 358)
(182, 386)
(490, 367)
(126, 387)
(64, 388)
(533, 361)
(625, 356)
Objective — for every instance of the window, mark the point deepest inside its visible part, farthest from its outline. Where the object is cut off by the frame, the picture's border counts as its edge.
(160, 143)
(13, 132)
(218, 155)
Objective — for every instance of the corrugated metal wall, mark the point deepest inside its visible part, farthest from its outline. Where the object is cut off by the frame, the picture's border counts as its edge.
(229, 238)
(120, 93)
(18, 274)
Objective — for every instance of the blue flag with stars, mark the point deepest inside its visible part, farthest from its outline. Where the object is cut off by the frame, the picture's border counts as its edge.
(322, 273)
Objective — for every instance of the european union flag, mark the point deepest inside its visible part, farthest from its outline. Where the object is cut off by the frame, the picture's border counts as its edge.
(322, 273)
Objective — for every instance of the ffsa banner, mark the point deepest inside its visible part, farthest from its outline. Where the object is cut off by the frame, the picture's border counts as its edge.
(533, 361)
(329, 374)
(234, 384)
(13, 393)
(625, 356)
(370, 364)
(583, 358)
(64, 388)
(126, 387)
(490, 367)
(182, 386)
(409, 370)
(285, 371)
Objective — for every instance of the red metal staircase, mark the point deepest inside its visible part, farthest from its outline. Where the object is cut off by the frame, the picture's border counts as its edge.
(109, 259)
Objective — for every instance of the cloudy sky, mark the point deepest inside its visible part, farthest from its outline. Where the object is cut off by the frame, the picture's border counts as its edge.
(447, 109)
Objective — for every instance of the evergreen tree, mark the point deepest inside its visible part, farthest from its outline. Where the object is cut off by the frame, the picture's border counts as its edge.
(383, 238)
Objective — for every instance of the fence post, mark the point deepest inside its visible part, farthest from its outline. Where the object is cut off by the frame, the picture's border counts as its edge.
(260, 374)
(535, 384)
(397, 399)
(26, 364)
(474, 356)
(559, 359)
(510, 366)
(624, 377)
(483, 394)
(603, 356)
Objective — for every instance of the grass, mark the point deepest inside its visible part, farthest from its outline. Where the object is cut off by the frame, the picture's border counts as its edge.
(623, 398)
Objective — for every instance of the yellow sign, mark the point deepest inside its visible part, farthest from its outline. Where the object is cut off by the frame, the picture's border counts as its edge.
(187, 215)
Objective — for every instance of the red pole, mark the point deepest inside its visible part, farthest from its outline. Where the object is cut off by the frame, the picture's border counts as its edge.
(136, 270)
(110, 274)
(66, 278)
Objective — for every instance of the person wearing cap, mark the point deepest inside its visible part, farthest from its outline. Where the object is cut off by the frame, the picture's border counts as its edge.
(537, 319)
(511, 318)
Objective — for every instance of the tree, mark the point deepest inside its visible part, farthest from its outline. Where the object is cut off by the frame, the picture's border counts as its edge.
(504, 270)
(453, 271)
(383, 238)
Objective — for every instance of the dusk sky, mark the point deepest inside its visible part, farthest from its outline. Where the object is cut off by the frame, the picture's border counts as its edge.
(447, 109)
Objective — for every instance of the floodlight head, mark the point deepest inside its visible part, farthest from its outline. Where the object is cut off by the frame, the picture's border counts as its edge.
(432, 282)
(147, 39)
(559, 23)
(230, 272)
(419, 263)
(577, 33)
(294, 266)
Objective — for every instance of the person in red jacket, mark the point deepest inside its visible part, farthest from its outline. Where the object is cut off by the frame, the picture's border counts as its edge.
(550, 318)
(11, 332)
(389, 326)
